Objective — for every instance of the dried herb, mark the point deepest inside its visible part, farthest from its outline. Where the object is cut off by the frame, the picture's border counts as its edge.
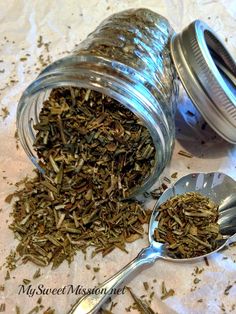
(206, 261)
(167, 180)
(223, 307)
(226, 292)
(151, 295)
(174, 175)
(197, 270)
(94, 152)
(188, 224)
(9, 198)
(11, 260)
(16, 136)
(39, 301)
(49, 311)
(5, 113)
(7, 276)
(185, 154)
(142, 306)
(196, 281)
(166, 293)
(35, 309)
(37, 274)
(190, 113)
(96, 139)
(146, 285)
(23, 59)
(113, 304)
(36, 215)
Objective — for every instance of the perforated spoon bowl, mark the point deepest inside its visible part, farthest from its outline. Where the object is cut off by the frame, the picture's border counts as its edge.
(215, 185)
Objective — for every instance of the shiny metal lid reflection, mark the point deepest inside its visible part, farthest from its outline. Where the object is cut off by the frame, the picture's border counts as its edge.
(208, 73)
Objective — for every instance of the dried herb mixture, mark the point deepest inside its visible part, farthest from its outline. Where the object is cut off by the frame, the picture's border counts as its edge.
(94, 139)
(188, 224)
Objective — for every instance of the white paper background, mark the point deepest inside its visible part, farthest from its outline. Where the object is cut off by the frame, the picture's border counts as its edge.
(64, 24)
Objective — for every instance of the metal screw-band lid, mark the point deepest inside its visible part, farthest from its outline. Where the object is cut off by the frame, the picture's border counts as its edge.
(208, 73)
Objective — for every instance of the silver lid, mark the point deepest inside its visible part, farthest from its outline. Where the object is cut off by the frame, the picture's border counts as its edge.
(208, 73)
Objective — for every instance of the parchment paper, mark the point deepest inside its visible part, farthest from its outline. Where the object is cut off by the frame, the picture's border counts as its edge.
(62, 25)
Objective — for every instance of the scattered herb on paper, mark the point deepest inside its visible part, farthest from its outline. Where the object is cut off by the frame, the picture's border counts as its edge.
(226, 292)
(197, 271)
(49, 311)
(5, 113)
(37, 274)
(11, 260)
(36, 309)
(167, 180)
(2, 307)
(233, 307)
(222, 307)
(196, 281)
(23, 59)
(39, 301)
(45, 238)
(146, 285)
(141, 305)
(187, 223)
(113, 305)
(17, 308)
(174, 175)
(166, 293)
(17, 139)
(7, 276)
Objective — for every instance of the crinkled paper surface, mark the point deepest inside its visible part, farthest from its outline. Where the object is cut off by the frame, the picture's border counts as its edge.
(63, 24)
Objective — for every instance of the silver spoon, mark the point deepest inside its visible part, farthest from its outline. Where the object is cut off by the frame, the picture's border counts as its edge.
(217, 186)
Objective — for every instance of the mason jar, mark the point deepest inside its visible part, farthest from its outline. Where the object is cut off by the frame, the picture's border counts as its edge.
(136, 58)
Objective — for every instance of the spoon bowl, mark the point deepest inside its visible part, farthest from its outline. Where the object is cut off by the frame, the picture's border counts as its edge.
(218, 186)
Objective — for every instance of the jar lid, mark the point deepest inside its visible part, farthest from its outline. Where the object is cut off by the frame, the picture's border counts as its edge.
(208, 73)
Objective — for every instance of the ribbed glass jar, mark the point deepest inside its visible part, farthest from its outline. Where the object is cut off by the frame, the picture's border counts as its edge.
(127, 58)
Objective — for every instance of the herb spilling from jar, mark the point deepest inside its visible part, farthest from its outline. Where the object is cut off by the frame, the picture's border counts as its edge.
(94, 152)
(187, 223)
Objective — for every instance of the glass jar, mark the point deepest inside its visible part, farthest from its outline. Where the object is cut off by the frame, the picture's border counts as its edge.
(134, 57)
(127, 58)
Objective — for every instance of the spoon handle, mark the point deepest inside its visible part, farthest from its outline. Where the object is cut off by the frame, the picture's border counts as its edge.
(92, 302)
